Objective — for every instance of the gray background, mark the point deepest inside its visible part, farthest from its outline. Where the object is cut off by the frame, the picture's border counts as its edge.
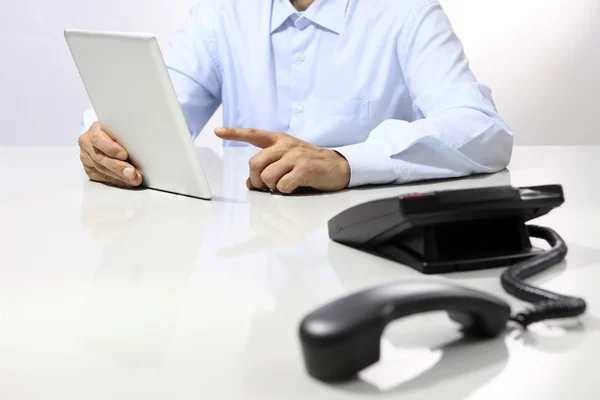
(540, 57)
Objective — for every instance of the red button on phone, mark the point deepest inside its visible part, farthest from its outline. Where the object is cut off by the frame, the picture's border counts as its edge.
(413, 196)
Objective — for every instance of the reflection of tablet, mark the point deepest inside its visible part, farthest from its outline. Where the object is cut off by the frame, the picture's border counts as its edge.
(131, 92)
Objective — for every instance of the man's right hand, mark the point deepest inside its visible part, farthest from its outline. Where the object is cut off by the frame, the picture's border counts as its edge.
(104, 160)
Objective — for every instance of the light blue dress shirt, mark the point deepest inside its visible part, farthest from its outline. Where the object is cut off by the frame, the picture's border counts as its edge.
(383, 82)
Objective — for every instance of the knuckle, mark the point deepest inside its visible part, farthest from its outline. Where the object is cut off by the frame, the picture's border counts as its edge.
(285, 138)
(257, 183)
(301, 151)
(94, 136)
(93, 174)
(267, 178)
(95, 128)
(296, 154)
(254, 163)
(282, 142)
(102, 177)
(302, 165)
(83, 157)
(253, 131)
(88, 170)
(82, 139)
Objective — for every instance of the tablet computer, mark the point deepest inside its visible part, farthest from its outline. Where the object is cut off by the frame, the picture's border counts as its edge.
(133, 97)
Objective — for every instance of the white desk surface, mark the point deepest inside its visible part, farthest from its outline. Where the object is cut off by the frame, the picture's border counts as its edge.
(116, 294)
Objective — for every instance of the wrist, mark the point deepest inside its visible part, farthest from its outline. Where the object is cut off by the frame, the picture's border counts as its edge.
(370, 163)
(344, 168)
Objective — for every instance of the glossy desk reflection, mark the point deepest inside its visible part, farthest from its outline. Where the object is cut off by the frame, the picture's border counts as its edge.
(182, 298)
(153, 242)
(150, 245)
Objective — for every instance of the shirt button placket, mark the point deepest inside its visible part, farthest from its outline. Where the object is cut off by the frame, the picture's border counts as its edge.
(303, 37)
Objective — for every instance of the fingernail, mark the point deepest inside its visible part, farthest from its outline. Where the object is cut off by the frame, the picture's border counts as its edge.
(121, 155)
(219, 130)
(129, 173)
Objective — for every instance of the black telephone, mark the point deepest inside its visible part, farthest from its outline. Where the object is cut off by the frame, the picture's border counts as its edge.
(447, 231)
(438, 232)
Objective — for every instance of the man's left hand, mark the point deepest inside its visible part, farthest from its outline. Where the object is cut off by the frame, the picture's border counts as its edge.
(286, 163)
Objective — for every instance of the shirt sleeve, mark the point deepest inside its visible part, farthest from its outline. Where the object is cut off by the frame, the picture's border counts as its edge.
(460, 132)
(192, 63)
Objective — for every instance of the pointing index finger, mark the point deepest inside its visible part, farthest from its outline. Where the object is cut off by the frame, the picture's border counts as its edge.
(255, 137)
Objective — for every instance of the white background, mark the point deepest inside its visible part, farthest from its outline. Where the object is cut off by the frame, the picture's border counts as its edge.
(540, 57)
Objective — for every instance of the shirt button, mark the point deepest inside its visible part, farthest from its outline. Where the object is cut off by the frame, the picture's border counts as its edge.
(301, 57)
(299, 109)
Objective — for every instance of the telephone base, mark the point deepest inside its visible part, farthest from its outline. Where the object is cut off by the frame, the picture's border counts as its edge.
(461, 246)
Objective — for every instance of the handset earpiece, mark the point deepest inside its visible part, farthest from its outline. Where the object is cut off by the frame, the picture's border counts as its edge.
(343, 337)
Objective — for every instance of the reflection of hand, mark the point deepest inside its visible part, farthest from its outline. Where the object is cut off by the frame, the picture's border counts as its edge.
(271, 219)
(283, 221)
(106, 217)
(288, 219)
(150, 244)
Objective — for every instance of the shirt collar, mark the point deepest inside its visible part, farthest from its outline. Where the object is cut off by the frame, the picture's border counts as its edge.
(330, 14)
(280, 12)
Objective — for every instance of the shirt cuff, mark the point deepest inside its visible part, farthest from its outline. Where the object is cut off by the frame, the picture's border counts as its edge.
(369, 163)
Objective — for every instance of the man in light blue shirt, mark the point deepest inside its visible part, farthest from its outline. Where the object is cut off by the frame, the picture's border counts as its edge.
(335, 93)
